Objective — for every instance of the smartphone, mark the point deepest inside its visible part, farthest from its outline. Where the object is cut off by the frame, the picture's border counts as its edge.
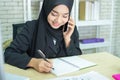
(65, 27)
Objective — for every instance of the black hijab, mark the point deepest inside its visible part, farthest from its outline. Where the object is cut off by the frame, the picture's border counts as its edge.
(43, 29)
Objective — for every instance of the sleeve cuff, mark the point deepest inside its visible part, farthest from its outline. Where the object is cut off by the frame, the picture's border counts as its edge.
(69, 49)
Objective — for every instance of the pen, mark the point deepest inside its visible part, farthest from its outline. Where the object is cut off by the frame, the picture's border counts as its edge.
(43, 56)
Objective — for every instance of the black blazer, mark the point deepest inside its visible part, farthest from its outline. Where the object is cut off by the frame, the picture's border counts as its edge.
(20, 51)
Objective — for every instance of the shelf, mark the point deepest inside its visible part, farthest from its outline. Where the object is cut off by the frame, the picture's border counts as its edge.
(93, 23)
(91, 14)
(94, 45)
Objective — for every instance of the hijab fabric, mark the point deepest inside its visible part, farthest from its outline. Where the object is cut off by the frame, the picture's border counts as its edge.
(43, 29)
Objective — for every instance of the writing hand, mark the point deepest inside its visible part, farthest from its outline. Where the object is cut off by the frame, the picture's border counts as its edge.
(45, 66)
(41, 65)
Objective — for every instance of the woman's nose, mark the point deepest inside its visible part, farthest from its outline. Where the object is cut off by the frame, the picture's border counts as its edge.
(58, 19)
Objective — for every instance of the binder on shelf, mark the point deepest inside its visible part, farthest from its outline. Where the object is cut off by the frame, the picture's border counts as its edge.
(82, 10)
(91, 40)
(89, 10)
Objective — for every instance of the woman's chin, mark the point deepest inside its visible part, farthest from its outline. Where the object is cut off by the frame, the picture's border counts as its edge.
(55, 27)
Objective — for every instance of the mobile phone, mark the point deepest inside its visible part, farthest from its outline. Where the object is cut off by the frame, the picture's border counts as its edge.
(65, 27)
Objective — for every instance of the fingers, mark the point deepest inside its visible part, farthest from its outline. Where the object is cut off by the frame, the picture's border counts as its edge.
(45, 66)
(71, 23)
(67, 35)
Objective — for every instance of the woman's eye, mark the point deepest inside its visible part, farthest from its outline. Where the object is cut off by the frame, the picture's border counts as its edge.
(53, 14)
(66, 16)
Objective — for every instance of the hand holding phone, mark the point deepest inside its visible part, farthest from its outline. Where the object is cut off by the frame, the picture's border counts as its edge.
(68, 30)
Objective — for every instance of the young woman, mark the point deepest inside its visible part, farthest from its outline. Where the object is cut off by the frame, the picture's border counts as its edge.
(46, 34)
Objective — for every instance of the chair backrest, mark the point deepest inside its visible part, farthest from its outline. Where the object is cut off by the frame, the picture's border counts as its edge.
(17, 28)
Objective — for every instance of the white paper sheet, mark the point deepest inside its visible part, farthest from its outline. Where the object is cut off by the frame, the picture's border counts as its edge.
(80, 62)
(61, 67)
(87, 76)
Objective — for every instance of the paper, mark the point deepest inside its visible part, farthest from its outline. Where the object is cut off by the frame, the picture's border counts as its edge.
(69, 64)
(87, 76)
(61, 67)
(79, 62)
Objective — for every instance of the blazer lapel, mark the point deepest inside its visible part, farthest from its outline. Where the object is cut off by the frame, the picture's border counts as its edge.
(51, 44)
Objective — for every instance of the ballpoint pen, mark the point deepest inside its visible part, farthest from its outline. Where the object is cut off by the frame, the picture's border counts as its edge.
(43, 56)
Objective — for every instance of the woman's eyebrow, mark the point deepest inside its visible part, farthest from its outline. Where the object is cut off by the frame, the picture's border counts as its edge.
(58, 12)
(54, 11)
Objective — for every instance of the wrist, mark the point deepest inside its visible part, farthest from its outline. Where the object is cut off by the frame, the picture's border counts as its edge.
(67, 42)
(33, 62)
(67, 38)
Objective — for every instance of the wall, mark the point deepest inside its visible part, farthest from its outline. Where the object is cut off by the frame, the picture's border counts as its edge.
(11, 12)
(117, 28)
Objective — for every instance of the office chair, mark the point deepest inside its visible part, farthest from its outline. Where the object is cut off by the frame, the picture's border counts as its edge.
(17, 28)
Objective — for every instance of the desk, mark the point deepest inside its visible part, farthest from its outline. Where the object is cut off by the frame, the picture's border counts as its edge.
(107, 64)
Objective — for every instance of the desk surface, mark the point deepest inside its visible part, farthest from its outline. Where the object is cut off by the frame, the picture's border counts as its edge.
(107, 64)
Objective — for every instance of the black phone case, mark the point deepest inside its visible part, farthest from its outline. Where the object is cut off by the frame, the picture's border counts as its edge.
(65, 27)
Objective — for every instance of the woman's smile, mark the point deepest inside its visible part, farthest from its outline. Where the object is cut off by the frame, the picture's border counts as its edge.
(55, 24)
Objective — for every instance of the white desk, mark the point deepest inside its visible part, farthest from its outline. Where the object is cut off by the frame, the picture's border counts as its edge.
(107, 64)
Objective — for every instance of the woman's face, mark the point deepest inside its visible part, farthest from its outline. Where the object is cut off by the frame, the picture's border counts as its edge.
(58, 16)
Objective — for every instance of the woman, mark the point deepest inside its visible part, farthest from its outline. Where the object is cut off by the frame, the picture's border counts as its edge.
(46, 34)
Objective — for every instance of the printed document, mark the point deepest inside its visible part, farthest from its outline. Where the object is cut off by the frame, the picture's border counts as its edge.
(92, 75)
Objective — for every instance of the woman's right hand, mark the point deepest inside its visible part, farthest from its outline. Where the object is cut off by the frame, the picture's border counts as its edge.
(40, 65)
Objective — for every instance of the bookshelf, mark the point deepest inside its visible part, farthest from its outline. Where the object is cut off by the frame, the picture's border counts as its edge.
(91, 17)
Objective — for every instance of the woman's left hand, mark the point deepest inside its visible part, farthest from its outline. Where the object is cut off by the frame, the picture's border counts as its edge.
(67, 34)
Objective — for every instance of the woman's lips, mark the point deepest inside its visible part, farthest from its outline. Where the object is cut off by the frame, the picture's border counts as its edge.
(55, 24)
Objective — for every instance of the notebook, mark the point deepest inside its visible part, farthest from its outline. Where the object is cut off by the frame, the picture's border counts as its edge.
(3, 74)
(92, 75)
(70, 64)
